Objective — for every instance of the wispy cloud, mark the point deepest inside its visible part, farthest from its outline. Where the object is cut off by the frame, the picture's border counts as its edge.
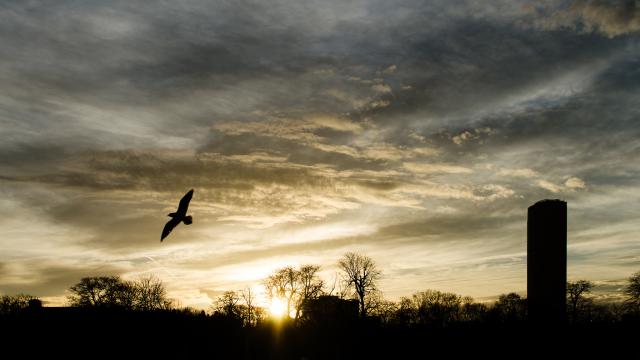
(574, 183)
(427, 168)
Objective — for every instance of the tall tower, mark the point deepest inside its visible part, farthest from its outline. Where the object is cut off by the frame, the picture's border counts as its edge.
(547, 261)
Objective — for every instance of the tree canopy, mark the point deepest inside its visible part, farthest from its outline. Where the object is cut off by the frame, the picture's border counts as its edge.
(147, 293)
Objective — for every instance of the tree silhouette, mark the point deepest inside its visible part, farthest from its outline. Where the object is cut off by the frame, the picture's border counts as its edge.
(102, 291)
(310, 285)
(147, 293)
(150, 294)
(510, 307)
(295, 286)
(406, 313)
(435, 307)
(283, 284)
(361, 273)
(384, 310)
(575, 297)
(633, 292)
(472, 311)
(14, 303)
(228, 305)
(249, 299)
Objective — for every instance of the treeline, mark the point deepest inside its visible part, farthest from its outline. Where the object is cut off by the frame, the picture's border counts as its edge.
(306, 299)
(348, 318)
(145, 294)
(356, 293)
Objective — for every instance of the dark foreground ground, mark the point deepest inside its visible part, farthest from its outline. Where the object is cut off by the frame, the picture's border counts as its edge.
(99, 334)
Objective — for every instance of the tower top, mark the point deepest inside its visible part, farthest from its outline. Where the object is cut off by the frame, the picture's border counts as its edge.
(549, 202)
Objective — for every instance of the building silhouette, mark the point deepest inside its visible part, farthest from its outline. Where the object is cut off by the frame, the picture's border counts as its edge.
(547, 261)
(330, 310)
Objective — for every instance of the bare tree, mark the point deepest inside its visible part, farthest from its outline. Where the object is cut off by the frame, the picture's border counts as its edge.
(385, 310)
(310, 285)
(294, 286)
(633, 292)
(339, 287)
(151, 294)
(575, 297)
(249, 299)
(283, 284)
(361, 273)
(227, 305)
(436, 308)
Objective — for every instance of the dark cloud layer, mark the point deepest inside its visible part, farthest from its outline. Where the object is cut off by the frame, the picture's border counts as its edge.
(610, 17)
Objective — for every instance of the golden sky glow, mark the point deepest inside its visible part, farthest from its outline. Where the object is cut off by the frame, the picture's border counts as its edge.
(277, 308)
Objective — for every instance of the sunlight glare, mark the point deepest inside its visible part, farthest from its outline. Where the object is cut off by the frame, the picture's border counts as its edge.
(277, 308)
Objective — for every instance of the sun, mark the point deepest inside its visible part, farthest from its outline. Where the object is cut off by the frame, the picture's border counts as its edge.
(277, 308)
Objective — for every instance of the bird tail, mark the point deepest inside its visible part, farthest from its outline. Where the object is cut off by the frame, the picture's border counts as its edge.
(187, 220)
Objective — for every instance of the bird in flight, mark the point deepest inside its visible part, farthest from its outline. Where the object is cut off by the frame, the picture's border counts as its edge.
(179, 216)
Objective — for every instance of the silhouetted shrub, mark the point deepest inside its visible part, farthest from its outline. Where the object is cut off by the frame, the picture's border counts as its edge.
(11, 304)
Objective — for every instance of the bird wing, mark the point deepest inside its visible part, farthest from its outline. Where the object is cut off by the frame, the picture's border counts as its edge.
(168, 227)
(184, 203)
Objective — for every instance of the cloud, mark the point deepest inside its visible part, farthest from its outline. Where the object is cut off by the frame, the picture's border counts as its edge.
(611, 18)
(549, 186)
(474, 134)
(617, 18)
(377, 104)
(525, 173)
(381, 88)
(337, 124)
(49, 278)
(386, 151)
(574, 183)
(459, 139)
(427, 168)
(346, 142)
(430, 190)
(448, 225)
(390, 69)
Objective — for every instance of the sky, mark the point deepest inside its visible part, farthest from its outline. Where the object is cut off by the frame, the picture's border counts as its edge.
(413, 132)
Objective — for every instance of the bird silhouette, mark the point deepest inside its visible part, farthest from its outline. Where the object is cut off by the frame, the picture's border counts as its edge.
(179, 216)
